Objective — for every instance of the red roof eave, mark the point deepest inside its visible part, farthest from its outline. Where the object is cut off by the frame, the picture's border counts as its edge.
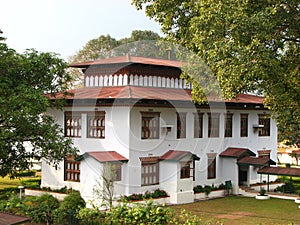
(136, 92)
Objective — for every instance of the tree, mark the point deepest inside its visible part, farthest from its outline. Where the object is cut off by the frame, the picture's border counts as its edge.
(104, 188)
(1, 38)
(138, 44)
(250, 46)
(26, 131)
(102, 46)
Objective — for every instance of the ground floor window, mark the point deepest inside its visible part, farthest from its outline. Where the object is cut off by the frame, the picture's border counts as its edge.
(112, 171)
(185, 170)
(71, 170)
(211, 166)
(150, 171)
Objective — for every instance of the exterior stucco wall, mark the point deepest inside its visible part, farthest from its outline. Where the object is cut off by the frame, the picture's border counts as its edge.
(123, 135)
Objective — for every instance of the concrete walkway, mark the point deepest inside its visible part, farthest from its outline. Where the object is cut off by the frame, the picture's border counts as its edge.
(253, 193)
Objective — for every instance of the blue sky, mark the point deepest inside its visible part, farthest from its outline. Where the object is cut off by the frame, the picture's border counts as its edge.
(64, 26)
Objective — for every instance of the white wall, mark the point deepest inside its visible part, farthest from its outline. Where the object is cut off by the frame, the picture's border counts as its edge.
(123, 134)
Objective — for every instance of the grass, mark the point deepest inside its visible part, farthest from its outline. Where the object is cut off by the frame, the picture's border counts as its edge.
(6, 182)
(237, 210)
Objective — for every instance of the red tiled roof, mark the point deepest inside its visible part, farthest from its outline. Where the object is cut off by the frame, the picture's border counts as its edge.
(236, 152)
(256, 161)
(107, 156)
(10, 219)
(293, 172)
(135, 92)
(130, 60)
(176, 155)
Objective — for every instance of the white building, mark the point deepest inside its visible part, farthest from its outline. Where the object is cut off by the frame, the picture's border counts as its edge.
(137, 113)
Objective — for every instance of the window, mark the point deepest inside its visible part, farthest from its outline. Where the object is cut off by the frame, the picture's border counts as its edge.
(96, 124)
(264, 120)
(150, 125)
(213, 124)
(185, 170)
(244, 125)
(228, 124)
(181, 125)
(118, 171)
(211, 166)
(72, 170)
(198, 125)
(150, 171)
(72, 124)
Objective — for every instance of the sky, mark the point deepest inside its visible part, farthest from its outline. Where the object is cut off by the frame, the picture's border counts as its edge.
(65, 26)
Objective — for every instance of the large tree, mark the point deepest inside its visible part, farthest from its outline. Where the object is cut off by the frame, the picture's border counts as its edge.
(250, 46)
(27, 133)
(105, 46)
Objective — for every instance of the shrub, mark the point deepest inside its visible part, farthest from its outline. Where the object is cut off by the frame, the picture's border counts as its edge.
(31, 183)
(91, 216)
(262, 192)
(12, 204)
(26, 173)
(158, 193)
(198, 189)
(69, 208)
(146, 214)
(41, 209)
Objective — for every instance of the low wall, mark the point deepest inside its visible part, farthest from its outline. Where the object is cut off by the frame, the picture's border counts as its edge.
(212, 194)
(272, 186)
(32, 192)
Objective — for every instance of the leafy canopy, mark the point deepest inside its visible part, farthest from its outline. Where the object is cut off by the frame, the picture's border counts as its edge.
(26, 131)
(250, 46)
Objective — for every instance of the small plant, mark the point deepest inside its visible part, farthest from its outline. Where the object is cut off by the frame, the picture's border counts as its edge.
(262, 192)
(158, 193)
(70, 207)
(207, 190)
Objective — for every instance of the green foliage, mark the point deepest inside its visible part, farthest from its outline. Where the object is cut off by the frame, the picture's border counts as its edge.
(185, 218)
(158, 193)
(41, 209)
(24, 80)
(207, 188)
(70, 207)
(26, 173)
(12, 204)
(262, 192)
(31, 183)
(250, 46)
(92, 217)
(140, 214)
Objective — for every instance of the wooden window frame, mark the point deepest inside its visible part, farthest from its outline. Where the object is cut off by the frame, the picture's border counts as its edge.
(213, 125)
(117, 170)
(244, 125)
(228, 123)
(150, 123)
(96, 124)
(148, 175)
(181, 125)
(264, 119)
(72, 124)
(198, 125)
(185, 170)
(71, 170)
(211, 167)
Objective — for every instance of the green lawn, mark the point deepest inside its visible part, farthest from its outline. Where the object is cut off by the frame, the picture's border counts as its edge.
(243, 210)
(6, 182)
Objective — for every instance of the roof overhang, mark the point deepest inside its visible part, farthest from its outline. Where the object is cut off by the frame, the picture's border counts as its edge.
(236, 153)
(104, 156)
(280, 171)
(255, 161)
(177, 155)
